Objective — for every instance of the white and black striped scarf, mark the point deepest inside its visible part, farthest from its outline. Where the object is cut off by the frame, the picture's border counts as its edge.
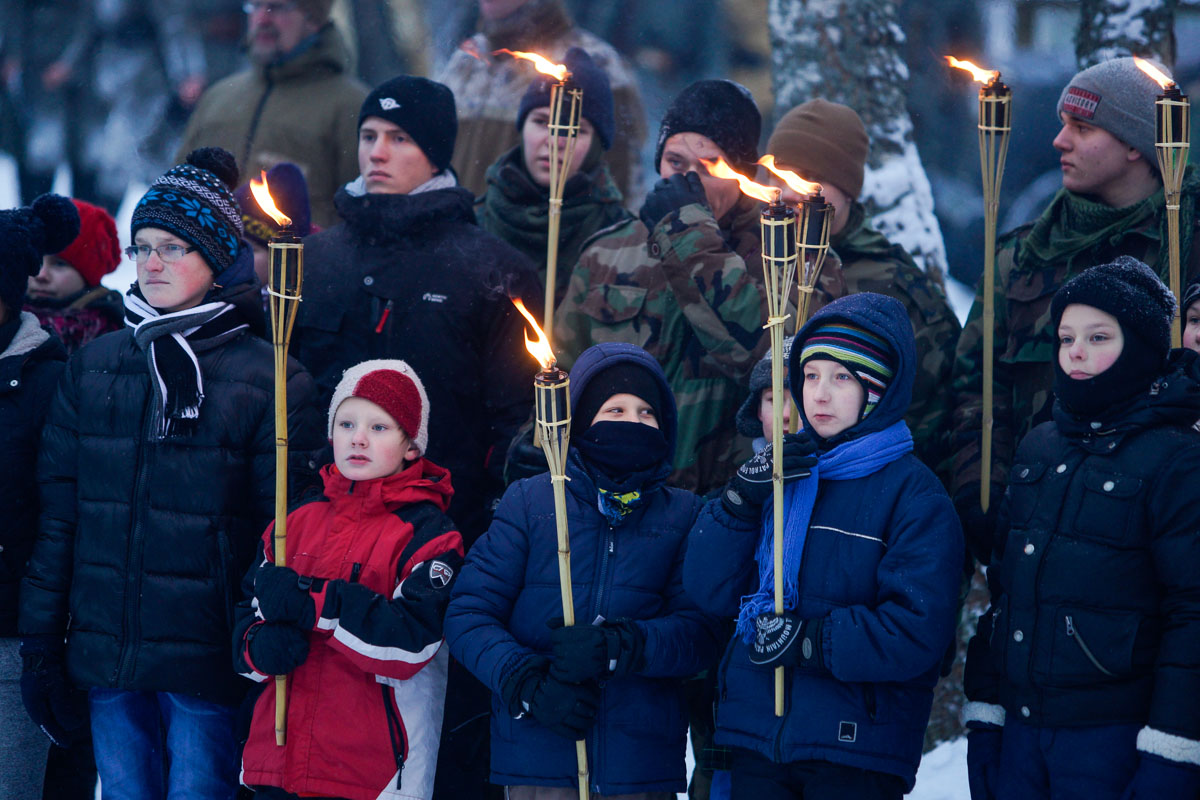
(171, 342)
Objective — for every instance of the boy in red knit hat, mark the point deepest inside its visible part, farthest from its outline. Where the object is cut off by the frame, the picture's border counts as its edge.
(66, 293)
(355, 619)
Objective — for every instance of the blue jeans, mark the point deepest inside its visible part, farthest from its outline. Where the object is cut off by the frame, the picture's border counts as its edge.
(137, 734)
(1089, 763)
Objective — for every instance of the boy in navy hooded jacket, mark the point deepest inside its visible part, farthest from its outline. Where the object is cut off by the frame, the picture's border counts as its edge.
(872, 557)
(615, 677)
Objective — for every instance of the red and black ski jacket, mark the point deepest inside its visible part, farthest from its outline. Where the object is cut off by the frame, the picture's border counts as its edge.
(364, 710)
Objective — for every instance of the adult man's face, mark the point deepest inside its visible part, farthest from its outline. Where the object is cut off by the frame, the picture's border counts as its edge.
(389, 160)
(275, 27)
(499, 9)
(1094, 161)
(681, 155)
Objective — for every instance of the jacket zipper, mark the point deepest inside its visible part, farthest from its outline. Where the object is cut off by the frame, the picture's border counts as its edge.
(610, 545)
(395, 731)
(226, 583)
(1073, 632)
(133, 558)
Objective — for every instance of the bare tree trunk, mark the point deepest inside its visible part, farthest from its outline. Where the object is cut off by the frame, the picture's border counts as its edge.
(1113, 28)
(850, 51)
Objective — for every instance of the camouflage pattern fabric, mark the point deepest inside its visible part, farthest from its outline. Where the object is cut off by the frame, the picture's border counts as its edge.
(870, 263)
(690, 293)
(1024, 341)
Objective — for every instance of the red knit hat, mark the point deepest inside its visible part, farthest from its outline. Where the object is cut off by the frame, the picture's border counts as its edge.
(393, 386)
(96, 251)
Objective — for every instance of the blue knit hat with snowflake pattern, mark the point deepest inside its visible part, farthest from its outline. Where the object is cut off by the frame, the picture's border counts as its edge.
(195, 202)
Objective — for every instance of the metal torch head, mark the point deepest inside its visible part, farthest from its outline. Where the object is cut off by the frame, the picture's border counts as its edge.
(1171, 123)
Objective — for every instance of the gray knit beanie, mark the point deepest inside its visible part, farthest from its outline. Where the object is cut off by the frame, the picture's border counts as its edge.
(747, 421)
(1117, 96)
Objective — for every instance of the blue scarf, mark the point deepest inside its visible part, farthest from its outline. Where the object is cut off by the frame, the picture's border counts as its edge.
(856, 458)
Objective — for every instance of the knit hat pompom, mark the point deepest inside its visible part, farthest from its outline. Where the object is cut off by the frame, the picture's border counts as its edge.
(218, 161)
(195, 202)
(1130, 291)
(867, 356)
(27, 234)
(392, 385)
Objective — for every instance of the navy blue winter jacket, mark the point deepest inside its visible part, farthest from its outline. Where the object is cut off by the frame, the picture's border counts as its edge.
(882, 563)
(508, 589)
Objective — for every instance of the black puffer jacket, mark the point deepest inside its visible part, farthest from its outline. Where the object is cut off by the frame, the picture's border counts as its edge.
(142, 542)
(413, 277)
(30, 366)
(1095, 615)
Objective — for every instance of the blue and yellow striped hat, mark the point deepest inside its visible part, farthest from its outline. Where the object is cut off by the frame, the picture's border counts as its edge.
(867, 356)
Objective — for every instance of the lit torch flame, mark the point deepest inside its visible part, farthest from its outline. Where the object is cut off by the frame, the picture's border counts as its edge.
(719, 169)
(262, 196)
(538, 348)
(1154, 72)
(543, 65)
(794, 181)
(977, 73)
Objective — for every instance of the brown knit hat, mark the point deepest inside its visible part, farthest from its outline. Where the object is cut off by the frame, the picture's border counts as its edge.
(315, 10)
(824, 142)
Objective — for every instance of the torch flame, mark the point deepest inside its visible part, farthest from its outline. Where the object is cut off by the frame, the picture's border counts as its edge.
(543, 65)
(719, 169)
(1154, 72)
(468, 47)
(977, 73)
(538, 348)
(794, 181)
(262, 196)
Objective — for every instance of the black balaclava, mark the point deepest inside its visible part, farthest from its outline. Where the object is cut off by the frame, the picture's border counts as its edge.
(619, 449)
(1144, 307)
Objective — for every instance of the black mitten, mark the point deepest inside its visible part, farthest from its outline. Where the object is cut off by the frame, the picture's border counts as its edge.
(276, 648)
(583, 652)
(283, 596)
(789, 641)
(747, 490)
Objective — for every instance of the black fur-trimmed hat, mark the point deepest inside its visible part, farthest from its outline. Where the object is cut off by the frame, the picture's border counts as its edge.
(722, 110)
(26, 234)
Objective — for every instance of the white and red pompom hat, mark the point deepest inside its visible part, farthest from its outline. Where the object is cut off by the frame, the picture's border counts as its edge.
(392, 385)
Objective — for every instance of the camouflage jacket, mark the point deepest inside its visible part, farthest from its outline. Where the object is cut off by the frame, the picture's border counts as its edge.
(1025, 283)
(870, 263)
(690, 293)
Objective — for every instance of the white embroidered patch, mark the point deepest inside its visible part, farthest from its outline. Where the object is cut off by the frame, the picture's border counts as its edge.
(387, 103)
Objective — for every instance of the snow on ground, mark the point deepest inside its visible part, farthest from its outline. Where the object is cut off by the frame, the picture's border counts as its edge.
(943, 773)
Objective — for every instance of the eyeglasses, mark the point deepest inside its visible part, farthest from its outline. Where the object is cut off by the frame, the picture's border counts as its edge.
(167, 253)
(269, 8)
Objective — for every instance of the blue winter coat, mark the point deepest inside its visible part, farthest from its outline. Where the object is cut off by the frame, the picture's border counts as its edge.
(881, 563)
(508, 589)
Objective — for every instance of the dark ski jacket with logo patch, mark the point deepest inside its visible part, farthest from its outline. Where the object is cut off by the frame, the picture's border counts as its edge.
(882, 563)
(1095, 616)
(509, 590)
(413, 277)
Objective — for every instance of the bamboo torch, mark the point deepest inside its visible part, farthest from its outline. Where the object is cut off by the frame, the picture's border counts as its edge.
(566, 104)
(1172, 140)
(815, 222)
(283, 288)
(995, 124)
(552, 406)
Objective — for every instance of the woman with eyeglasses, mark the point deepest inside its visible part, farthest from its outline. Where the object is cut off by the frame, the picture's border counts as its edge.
(157, 478)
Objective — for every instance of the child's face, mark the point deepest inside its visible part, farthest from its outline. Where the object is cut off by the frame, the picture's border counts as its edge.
(1089, 341)
(367, 441)
(833, 397)
(172, 285)
(626, 408)
(56, 280)
(1191, 333)
(766, 412)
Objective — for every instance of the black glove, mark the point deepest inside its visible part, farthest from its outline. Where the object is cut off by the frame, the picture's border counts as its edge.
(983, 759)
(751, 486)
(789, 641)
(599, 651)
(979, 527)
(53, 703)
(566, 709)
(283, 596)
(276, 648)
(671, 194)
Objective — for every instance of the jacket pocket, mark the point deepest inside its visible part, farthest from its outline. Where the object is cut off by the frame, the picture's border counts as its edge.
(1090, 646)
(1023, 492)
(1109, 507)
(613, 303)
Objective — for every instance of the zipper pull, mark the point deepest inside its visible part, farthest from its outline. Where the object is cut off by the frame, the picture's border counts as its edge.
(387, 310)
(355, 572)
(1070, 626)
